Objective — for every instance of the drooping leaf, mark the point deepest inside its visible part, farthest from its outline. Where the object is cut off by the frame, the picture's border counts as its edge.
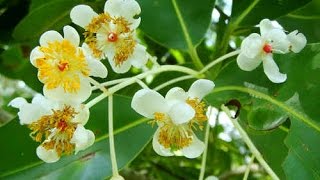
(160, 22)
(246, 13)
(52, 15)
(20, 160)
(306, 20)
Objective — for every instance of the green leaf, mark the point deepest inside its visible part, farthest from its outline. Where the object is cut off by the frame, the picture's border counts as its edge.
(265, 116)
(247, 13)
(159, 21)
(51, 15)
(270, 145)
(306, 20)
(20, 160)
(15, 65)
(303, 158)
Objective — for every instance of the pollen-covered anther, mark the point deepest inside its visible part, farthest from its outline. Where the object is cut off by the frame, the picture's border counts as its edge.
(174, 136)
(267, 48)
(200, 112)
(57, 130)
(62, 65)
(112, 37)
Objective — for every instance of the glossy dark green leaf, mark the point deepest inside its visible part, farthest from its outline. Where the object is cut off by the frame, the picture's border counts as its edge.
(303, 158)
(306, 20)
(265, 116)
(51, 15)
(20, 160)
(247, 13)
(160, 22)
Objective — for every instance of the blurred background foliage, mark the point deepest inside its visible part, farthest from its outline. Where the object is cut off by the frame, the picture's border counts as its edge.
(216, 28)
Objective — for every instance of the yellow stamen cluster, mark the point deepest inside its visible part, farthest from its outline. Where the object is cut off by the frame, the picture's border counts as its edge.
(61, 66)
(171, 135)
(200, 112)
(56, 130)
(124, 43)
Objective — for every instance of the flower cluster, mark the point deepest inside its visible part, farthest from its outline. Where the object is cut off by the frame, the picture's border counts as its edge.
(258, 48)
(65, 67)
(177, 114)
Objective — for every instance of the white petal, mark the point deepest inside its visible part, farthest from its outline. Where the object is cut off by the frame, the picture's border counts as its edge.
(271, 69)
(248, 64)
(82, 115)
(278, 41)
(195, 149)
(97, 68)
(297, 41)
(18, 102)
(146, 102)
(58, 94)
(48, 156)
(50, 36)
(124, 8)
(200, 88)
(82, 15)
(251, 46)
(265, 26)
(158, 148)
(72, 35)
(123, 68)
(139, 57)
(29, 113)
(181, 113)
(35, 54)
(176, 93)
(82, 138)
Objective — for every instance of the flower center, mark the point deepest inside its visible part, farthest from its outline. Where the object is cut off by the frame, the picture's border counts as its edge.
(56, 130)
(112, 37)
(62, 65)
(267, 48)
(171, 135)
(200, 115)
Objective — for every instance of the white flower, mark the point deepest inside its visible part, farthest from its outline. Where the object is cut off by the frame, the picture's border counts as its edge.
(112, 34)
(176, 115)
(63, 67)
(59, 127)
(258, 48)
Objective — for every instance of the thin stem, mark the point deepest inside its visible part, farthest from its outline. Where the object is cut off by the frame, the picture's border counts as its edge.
(142, 84)
(250, 144)
(218, 60)
(192, 50)
(205, 152)
(246, 174)
(245, 13)
(283, 106)
(132, 80)
(98, 85)
(111, 138)
(110, 83)
(172, 81)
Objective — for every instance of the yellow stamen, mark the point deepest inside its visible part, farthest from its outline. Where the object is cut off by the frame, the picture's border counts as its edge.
(61, 66)
(200, 115)
(171, 135)
(56, 129)
(121, 37)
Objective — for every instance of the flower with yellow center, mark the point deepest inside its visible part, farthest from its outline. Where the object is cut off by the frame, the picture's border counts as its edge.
(63, 67)
(58, 127)
(111, 34)
(176, 116)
